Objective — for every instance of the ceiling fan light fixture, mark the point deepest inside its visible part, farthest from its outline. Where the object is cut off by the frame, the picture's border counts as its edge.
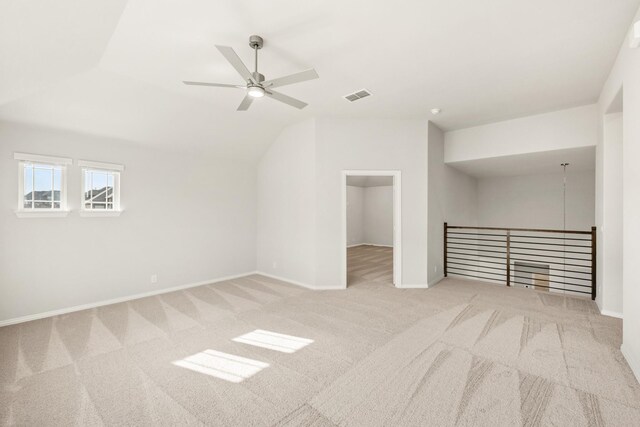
(255, 92)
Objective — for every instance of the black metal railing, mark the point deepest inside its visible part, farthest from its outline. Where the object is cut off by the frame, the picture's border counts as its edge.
(549, 260)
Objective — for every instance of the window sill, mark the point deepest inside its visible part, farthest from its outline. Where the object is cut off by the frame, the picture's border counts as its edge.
(42, 213)
(99, 213)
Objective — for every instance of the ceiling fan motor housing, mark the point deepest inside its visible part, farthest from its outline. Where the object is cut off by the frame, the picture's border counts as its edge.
(259, 78)
(256, 42)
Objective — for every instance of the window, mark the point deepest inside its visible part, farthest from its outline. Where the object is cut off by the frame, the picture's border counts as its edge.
(42, 186)
(100, 189)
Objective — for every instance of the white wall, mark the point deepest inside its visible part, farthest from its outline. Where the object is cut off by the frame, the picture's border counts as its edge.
(625, 74)
(575, 127)
(609, 155)
(344, 144)
(355, 215)
(287, 205)
(452, 198)
(370, 215)
(186, 218)
(378, 215)
(535, 201)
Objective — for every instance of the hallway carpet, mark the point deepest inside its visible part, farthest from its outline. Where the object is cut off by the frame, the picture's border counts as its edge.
(257, 351)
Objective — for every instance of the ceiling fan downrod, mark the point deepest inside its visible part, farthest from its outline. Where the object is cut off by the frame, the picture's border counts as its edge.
(256, 43)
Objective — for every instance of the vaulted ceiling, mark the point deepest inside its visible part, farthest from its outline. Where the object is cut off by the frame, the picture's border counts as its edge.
(115, 67)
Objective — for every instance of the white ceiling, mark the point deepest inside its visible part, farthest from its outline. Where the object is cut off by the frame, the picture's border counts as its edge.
(369, 181)
(115, 68)
(580, 160)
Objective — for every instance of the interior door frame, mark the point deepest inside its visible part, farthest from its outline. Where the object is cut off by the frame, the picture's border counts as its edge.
(397, 221)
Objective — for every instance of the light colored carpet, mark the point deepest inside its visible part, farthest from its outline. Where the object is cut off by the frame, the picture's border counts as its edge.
(369, 265)
(460, 353)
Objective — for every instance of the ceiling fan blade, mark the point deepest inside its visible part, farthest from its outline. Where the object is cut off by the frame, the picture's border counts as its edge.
(292, 78)
(236, 62)
(246, 103)
(286, 99)
(211, 84)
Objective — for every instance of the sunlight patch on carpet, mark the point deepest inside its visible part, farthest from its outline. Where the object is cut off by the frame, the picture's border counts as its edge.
(274, 341)
(221, 365)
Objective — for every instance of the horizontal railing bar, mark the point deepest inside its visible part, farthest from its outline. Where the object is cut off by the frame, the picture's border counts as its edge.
(487, 262)
(482, 272)
(554, 244)
(503, 238)
(554, 250)
(478, 244)
(556, 275)
(532, 230)
(477, 234)
(475, 240)
(553, 256)
(519, 247)
(503, 269)
(475, 277)
(480, 250)
(514, 235)
(549, 237)
(474, 265)
(551, 287)
(502, 263)
(559, 263)
(485, 256)
(561, 283)
(563, 269)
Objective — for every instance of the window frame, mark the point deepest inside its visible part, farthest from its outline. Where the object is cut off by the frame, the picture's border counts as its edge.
(50, 161)
(111, 168)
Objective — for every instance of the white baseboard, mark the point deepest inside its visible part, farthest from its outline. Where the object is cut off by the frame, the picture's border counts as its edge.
(51, 313)
(297, 283)
(413, 286)
(284, 279)
(369, 244)
(632, 360)
(611, 313)
(436, 280)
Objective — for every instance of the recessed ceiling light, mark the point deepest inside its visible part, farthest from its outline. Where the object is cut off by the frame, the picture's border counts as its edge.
(435, 111)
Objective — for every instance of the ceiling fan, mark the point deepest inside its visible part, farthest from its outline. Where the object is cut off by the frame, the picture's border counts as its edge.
(256, 86)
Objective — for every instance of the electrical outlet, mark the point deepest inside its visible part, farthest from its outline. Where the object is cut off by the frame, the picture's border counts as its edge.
(275, 265)
(435, 269)
(154, 278)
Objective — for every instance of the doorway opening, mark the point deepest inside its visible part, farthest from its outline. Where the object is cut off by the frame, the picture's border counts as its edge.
(371, 228)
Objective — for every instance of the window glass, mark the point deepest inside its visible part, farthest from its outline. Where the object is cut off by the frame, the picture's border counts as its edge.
(42, 186)
(99, 190)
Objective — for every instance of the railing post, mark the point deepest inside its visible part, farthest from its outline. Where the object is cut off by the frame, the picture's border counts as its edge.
(593, 263)
(508, 258)
(445, 249)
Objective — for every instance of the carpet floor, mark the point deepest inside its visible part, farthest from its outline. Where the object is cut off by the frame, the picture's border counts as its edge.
(257, 351)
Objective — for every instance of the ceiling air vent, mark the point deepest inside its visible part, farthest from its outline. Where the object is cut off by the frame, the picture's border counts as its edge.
(363, 93)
